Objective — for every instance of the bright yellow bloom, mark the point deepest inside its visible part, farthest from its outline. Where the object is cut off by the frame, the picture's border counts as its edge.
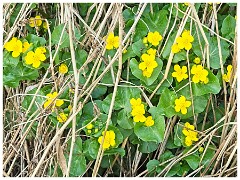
(189, 133)
(145, 40)
(175, 48)
(45, 25)
(35, 21)
(201, 149)
(182, 104)
(148, 64)
(139, 118)
(197, 60)
(26, 46)
(154, 38)
(200, 74)
(112, 41)
(15, 46)
(180, 74)
(63, 69)
(35, 58)
(70, 107)
(226, 77)
(89, 126)
(185, 41)
(50, 99)
(109, 139)
(152, 51)
(135, 102)
(62, 117)
(42, 49)
(149, 121)
(138, 110)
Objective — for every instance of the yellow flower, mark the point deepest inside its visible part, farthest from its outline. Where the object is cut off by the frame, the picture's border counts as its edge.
(42, 49)
(180, 74)
(152, 51)
(35, 58)
(63, 69)
(185, 41)
(145, 40)
(89, 131)
(62, 117)
(175, 48)
(154, 38)
(200, 74)
(189, 133)
(26, 46)
(135, 102)
(89, 126)
(182, 104)
(15, 46)
(109, 139)
(149, 121)
(226, 77)
(138, 110)
(124, 51)
(45, 25)
(148, 64)
(35, 21)
(112, 41)
(70, 107)
(50, 99)
(201, 149)
(139, 118)
(197, 60)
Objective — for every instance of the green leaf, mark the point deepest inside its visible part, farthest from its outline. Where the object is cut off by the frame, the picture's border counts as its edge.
(193, 161)
(128, 54)
(36, 40)
(56, 35)
(166, 102)
(210, 152)
(174, 170)
(152, 164)
(99, 91)
(213, 86)
(138, 47)
(115, 151)
(184, 169)
(12, 76)
(81, 57)
(178, 135)
(124, 120)
(147, 147)
(165, 156)
(8, 60)
(139, 74)
(157, 21)
(228, 27)
(90, 147)
(140, 31)
(153, 133)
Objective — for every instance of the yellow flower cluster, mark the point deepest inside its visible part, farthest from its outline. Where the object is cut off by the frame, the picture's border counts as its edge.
(190, 134)
(149, 63)
(62, 117)
(51, 100)
(226, 77)
(37, 21)
(109, 139)
(16, 46)
(183, 42)
(63, 69)
(112, 41)
(138, 112)
(182, 104)
(180, 73)
(199, 74)
(35, 58)
(90, 127)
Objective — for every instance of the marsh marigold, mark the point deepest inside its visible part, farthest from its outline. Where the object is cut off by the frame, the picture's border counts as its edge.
(180, 73)
(62, 117)
(226, 77)
(154, 38)
(35, 58)
(109, 140)
(63, 69)
(112, 41)
(148, 64)
(182, 104)
(35, 21)
(185, 41)
(190, 134)
(199, 74)
(14, 46)
(50, 99)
